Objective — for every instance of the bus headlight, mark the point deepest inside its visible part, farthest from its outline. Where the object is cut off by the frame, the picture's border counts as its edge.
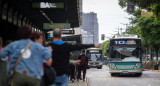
(138, 65)
(112, 66)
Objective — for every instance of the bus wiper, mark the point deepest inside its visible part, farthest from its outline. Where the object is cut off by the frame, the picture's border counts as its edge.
(97, 58)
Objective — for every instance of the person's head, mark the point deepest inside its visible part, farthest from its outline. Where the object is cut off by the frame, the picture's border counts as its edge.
(83, 51)
(37, 37)
(57, 33)
(24, 31)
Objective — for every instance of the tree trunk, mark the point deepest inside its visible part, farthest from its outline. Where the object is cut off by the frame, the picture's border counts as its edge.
(157, 54)
(151, 56)
(146, 54)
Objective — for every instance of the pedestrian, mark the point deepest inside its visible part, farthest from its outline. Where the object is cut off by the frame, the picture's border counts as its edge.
(38, 38)
(3, 75)
(28, 70)
(83, 65)
(72, 67)
(61, 54)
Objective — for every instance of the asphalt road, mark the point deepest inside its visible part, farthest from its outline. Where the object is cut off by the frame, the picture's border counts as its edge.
(101, 77)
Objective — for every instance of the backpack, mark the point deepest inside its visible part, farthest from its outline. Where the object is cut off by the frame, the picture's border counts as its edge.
(49, 75)
(83, 61)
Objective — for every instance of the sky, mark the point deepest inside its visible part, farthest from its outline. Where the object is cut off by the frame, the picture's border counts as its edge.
(110, 16)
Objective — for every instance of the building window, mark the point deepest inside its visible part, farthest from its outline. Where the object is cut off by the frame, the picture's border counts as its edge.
(15, 18)
(10, 16)
(20, 20)
(4, 12)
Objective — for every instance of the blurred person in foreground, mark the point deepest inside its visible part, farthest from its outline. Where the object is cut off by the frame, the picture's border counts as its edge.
(60, 56)
(29, 71)
(38, 38)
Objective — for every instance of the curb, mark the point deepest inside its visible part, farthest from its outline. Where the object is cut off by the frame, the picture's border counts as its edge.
(156, 70)
(87, 82)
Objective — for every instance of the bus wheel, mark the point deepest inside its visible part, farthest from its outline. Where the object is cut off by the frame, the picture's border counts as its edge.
(99, 67)
(138, 74)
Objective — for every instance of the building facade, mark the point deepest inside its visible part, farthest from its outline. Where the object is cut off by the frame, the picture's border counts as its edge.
(90, 24)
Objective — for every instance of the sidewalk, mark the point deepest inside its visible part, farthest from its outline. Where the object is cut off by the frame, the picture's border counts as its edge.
(151, 70)
(80, 83)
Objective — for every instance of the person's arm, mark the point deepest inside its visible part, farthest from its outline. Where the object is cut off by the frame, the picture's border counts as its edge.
(46, 54)
(81, 46)
(49, 62)
(6, 51)
(75, 62)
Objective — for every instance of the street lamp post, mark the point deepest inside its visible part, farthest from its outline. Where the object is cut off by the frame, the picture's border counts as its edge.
(126, 24)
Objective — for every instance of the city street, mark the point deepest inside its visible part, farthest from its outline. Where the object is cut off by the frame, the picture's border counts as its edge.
(101, 77)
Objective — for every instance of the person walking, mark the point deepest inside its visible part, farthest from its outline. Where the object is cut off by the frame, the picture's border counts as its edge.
(28, 71)
(38, 38)
(83, 65)
(60, 56)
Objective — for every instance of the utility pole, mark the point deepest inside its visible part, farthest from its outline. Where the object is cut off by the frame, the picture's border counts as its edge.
(126, 24)
(118, 30)
(121, 30)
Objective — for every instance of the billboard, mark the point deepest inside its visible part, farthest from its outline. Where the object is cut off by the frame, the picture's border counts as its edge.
(56, 25)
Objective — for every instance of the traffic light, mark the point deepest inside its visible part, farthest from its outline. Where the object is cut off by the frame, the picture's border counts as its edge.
(102, 37)
(130, 7)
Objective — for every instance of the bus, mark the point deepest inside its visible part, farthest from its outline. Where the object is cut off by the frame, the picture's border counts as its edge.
(94, 58)
(125, 55)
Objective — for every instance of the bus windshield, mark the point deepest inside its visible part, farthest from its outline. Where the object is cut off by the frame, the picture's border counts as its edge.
(125, 54)
(94, 57)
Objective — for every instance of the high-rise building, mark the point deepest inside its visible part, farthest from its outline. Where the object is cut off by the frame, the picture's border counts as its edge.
(90, 24)
(87, 38)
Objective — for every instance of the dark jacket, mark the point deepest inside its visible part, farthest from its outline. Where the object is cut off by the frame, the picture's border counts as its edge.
(60, 55)
(86, 59)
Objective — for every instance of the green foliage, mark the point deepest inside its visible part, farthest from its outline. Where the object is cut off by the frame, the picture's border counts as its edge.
(149, 30)
(122, 3)
(104, 48)
(144, 4)
(156, 10)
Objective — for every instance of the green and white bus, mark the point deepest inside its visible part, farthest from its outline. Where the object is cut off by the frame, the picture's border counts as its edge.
(125, 55)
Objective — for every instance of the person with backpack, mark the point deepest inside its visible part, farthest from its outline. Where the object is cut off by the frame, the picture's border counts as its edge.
(83, 65)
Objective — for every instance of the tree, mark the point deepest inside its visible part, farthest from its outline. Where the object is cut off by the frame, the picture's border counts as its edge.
(156, 10)
(104, 47)
(144, 4)
(150, 30)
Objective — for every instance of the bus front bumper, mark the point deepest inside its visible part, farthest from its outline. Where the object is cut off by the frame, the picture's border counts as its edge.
(125, 71)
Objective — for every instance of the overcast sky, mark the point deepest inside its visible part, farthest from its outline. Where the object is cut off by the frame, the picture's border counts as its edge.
(109, 14)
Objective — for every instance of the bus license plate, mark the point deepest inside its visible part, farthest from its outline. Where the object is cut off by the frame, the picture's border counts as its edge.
(125, 71)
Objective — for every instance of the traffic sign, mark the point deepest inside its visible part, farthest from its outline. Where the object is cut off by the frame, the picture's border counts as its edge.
(56, 25)
(147, 14)
(67, 31)
(47, 5)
